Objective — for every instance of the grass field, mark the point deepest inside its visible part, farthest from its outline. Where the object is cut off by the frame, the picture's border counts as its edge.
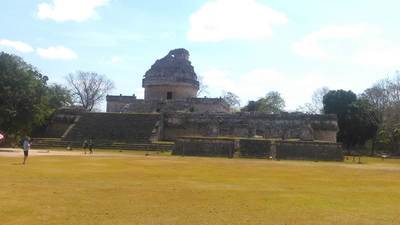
(176, 190)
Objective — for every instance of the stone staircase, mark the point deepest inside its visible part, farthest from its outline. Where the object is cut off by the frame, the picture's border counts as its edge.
(118, 127)
(59, 143)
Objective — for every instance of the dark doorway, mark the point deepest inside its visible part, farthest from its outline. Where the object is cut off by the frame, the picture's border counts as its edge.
(169, 95)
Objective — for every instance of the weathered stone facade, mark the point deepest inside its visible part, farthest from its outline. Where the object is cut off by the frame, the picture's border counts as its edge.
(204, 147)
(258, 148)
(278, 126)
(170, 85)
(144, 127)
(119, 104)
(171, 78)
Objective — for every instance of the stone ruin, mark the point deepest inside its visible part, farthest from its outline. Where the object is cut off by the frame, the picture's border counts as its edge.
(170, 111)
(170, 85)
(171, 78)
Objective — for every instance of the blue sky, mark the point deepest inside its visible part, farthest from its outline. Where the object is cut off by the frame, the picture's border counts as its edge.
(248, 47)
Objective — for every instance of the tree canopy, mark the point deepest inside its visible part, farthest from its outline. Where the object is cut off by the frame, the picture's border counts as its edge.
(271, 103)
(338, 101)
(384, 96)
(26, 101)
(89, 88)
(357, 119)
(316, 105)
(232, 99)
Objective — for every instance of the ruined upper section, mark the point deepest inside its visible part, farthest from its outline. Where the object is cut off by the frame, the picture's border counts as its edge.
(174, 68)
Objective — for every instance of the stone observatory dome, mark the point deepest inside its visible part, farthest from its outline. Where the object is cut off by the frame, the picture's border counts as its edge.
(171, 78)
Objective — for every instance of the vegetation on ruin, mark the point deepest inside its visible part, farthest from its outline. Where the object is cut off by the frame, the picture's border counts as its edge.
(272, 103)
(185, 190)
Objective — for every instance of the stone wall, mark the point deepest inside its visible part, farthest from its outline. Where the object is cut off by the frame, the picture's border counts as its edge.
(317, 151)
(258, 148)
(116, 103)
(280, 126)
(187, 105)
(204, 147)
(253, 148)
(178, 91)
(325, 135)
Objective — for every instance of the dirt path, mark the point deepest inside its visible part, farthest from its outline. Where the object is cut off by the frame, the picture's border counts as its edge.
(14, 152)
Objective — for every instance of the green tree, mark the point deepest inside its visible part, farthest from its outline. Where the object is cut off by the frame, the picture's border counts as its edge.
(357, 119)
(250, 107)
(23, 95)
(338, 101)
(271, 103)
(26, 101)
(385, 98)
(59, 96)
(232, 100)
(359, 124)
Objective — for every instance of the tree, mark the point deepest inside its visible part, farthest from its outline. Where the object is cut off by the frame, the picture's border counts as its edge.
(232, 100)
(59, 96)
(384, 96)
(203, 88)
(390, 125)
(89, 88)
(378, 95)
(357, 119)
(338, 101)
(271, 103)
(316, 106)
(251, 106)
(358, 124)
(25, 99)
(393, 88)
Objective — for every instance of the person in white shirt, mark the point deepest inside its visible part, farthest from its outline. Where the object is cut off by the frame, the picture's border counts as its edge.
(26, 145)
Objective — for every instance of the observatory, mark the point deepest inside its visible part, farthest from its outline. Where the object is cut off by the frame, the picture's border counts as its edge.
(170, 85)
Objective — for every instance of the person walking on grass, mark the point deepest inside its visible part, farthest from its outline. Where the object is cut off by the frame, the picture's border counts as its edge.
(91, 146)
(85, 146)
(26, 145)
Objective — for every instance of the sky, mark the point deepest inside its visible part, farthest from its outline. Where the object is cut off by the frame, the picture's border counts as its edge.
(248, 47)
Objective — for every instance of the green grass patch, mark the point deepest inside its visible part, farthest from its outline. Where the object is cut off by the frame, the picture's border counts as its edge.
(187, 190)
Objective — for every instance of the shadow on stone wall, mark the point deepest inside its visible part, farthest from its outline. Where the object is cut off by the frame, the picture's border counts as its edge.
(258, 148)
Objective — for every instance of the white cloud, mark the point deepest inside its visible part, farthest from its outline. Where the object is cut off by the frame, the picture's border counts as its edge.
(115, 59)
(357, 44)
(311, 46)
(16, 45)
(233, 19)
(379, 53)
(139, 93)
(69, 10)
(256, 83)
(58, 52)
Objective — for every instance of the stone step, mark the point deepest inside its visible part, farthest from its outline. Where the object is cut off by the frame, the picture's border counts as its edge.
(46, 143)
(114, 126)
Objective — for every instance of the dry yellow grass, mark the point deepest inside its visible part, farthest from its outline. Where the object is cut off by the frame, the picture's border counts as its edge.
(175, 190)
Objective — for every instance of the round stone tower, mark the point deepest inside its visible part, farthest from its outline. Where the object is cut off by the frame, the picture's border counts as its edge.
(171, 78)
